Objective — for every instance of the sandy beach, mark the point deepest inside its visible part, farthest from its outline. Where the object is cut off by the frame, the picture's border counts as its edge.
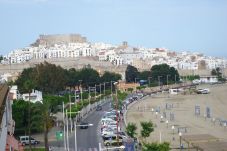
(182, 110)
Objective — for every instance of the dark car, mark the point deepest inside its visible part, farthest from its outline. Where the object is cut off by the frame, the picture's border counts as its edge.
(121, 133)
(99, 108)
(83, 125)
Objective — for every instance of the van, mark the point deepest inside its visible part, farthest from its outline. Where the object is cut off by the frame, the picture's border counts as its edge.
(24, 140)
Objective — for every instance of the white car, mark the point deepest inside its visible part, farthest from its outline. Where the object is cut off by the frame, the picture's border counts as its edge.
(106, 120)
(203, 91)
(107, 131)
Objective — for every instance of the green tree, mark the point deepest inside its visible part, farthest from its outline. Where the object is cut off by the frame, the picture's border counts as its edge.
(1, 58)
(72, 77)
(50, 78)
(89, 77)
(156, 147)
(20, 115)
(144, 75)
(46, 77)
(217, 72)
(27, 74)
(110, 76)
(147, 128)
(131, 73)
(47, 121)
(163, 71)
(130, 89)
(131, 130)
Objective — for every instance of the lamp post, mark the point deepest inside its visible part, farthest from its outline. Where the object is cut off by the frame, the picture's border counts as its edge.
(111, 89)
(115, 84)
(104, 91)
(167, 78)
(67, 131)
(100, 88)
(63, 117)
(89, 95)
(159, 81)
(75, 133)
(167, 123)
(95, 91)
(161, 119)
(180, 135)
(135, 83)
(81, 95)
(173, 129)
(156, 113)
(149, 80)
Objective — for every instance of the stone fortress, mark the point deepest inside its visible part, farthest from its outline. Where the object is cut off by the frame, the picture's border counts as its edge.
(49, 40)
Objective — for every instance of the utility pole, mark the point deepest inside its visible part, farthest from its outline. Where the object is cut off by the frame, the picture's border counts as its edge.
(63, 106)
(81, 95)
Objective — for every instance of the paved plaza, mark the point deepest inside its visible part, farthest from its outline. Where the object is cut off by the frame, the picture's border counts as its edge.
(190, 114)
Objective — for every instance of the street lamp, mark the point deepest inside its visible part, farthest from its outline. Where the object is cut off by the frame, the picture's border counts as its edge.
(161, 119)
(159, 81)
(89, 91)
(173, 129)
(75, 132)
(67, 128)
(167, 123)
(100, 89)
(180, 135)
(156, 113)
(104, 93)
(95, 92)
(167, 78)
(149, 80)
(115, 84)
(135, 83)
(81, 89)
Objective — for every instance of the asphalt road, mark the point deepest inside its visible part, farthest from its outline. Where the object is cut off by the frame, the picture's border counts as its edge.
(86, 138)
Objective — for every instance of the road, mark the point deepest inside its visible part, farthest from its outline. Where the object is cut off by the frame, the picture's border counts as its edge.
(86, 138)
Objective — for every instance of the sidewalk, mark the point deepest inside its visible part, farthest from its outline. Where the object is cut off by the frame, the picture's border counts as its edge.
(51, 135)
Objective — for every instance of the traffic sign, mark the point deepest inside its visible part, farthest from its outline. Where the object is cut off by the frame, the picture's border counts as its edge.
(59, 135)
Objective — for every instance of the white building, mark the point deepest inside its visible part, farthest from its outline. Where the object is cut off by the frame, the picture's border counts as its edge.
(7, 124)
(208, 79)
(35, 96)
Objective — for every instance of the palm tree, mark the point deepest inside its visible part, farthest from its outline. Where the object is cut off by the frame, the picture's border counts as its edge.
(43, 116)
(29, 85)
(47, 122)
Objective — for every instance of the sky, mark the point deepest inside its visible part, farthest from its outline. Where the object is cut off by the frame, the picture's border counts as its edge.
(180, 25)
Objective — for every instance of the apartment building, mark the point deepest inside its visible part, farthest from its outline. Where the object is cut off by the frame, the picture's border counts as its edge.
(34, 96)
(74, 46)
(7, 124)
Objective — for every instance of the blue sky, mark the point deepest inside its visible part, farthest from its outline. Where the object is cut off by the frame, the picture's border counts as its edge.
(191, 25)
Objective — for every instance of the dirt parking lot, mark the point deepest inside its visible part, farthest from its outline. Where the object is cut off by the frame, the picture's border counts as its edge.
(179, 110)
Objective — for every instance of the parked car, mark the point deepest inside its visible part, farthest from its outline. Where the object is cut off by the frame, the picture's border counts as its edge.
(99, 108)
(24, 140)
(107, 131)
(112, 140)
(203, 91)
